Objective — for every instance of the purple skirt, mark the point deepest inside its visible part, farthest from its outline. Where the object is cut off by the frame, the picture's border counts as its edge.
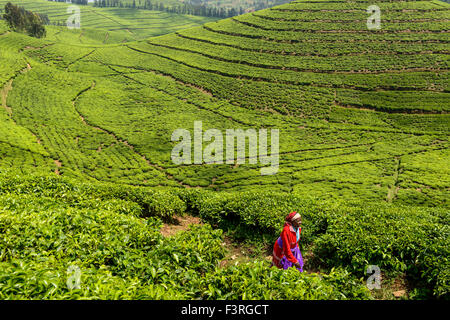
(285, 263)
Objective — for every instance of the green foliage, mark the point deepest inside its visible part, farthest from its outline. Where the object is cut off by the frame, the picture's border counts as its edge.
(106, 25)
(350, 235)
(411, 239)
(120, 255)
(257, 281)
(130, 200)
(20, 19)
(113, 233)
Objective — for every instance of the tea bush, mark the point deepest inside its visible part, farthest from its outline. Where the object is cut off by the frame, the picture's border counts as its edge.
(157, 203)
(120, 255)
(258, 281)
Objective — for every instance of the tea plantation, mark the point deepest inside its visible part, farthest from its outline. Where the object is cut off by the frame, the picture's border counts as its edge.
(108, 25)
(87, 179)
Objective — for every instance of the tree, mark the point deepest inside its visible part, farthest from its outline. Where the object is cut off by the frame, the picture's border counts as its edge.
(20, 20)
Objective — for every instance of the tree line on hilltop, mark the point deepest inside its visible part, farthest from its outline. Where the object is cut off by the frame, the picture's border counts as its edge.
(185, 8)
(21, 20)
(192, 7)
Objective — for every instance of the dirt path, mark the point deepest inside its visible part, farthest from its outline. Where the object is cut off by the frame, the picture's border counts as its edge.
(35, 48)
(181, 223)
(7, 88)
(4, 95)
(106, 37)
(58, 165)
(239, 254)
(236, 253)
(393, 190)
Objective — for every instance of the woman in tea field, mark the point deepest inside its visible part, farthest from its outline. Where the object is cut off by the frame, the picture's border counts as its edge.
(286, 252)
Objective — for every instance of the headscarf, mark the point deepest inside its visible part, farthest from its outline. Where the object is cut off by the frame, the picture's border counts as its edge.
(292, 216)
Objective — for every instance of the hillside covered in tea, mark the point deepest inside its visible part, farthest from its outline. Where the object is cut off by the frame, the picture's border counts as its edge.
(347, 100)
(363, 116)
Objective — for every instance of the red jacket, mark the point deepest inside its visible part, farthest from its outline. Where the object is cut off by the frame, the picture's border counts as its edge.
(289, 239)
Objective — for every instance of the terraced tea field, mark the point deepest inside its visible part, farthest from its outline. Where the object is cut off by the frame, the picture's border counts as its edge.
(343, 107)
(110, 25)
(363, 116)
